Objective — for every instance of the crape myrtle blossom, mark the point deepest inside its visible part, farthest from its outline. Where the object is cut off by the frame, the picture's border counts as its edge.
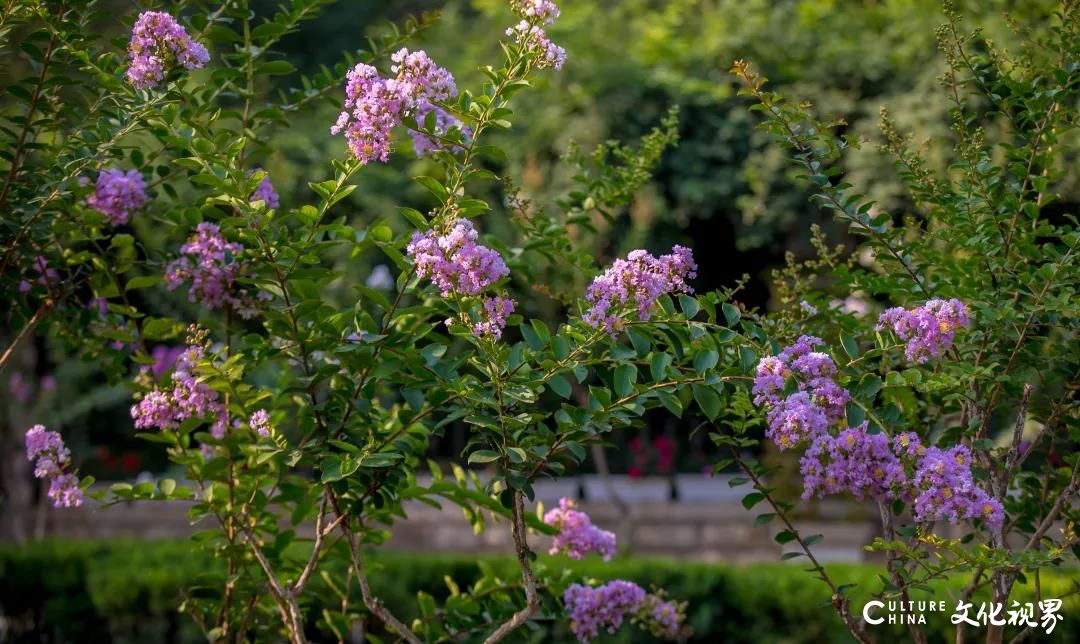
(454, 261)
(794, 420)
(117, 194)
(854, 461)
(375, 105)
(185, 397)
(51, 459)
(493, 317)
(529, 33)
(159, 43)
(637, 282)
(264, 192)
(929, 329)
(260, 423)
(211, 264)
(609, 605)
(577, 535)
(817, 402)
(944, 489)
(603, 607)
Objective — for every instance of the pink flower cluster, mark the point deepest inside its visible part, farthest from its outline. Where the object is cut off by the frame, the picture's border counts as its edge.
(264, 192)
(46, 276)
(374, 105)
(159, 43)
(529, 34)
(454, 261)
(493, 317)
(210, 263)
(117, 194)
(609, 605)
(928, 329)
(51, 459)
(577, 535)
(260, 423)
(166, 408)
(638, 282)
(460, 266)
(817, 401)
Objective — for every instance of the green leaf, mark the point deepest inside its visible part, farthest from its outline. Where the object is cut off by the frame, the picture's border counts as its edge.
(706, 360)
(483, 456)
(752, 499)
(625, 377)
(689, 306)
(641, 341)
(851, 347)
(784, 536)
(166, 486)
(708, 400)
(731, 313)
(659, 365)
(855, 415)
(559, 385)
(142, 281)
(275, 68)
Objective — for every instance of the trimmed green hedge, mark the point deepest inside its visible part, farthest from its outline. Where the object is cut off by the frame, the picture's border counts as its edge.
(128, 591)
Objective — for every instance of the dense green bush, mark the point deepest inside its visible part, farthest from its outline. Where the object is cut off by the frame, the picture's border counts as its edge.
(128, 591)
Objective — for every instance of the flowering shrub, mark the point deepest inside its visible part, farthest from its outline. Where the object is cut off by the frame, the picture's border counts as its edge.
(301, 408)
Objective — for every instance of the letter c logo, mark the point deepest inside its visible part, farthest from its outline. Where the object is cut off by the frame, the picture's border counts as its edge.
(866, 612)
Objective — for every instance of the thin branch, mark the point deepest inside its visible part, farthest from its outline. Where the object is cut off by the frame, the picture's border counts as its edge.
(373, 603)
(532, 599)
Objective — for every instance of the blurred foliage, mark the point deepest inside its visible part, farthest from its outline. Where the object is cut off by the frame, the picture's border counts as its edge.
(128, 591)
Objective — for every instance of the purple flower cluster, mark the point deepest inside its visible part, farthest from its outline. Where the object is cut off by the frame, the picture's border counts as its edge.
(51, 458)
(945, 489)
(374, 105)
(159, 43)
(210, 263)
(927, 329)
(454, 261)
(165, 409)
(117, 194)
(493, 317)
(855, 461)
(529, 34)
(46, 276)
(264, 192)
(795, 419)
(577, 535)
(817, 402)
(260, 423)
(637, 281)
(606, 607)
(603, 607)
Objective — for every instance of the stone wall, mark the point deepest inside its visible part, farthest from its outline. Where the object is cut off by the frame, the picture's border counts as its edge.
(697, 518)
